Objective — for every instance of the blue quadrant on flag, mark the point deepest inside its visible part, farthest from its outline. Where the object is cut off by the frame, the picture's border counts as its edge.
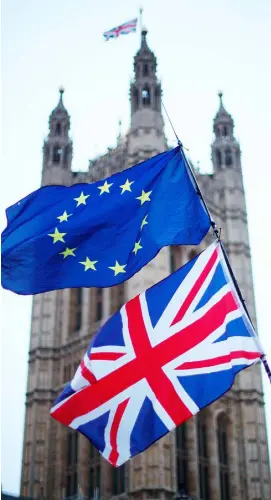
(100, 234)
(168, 353)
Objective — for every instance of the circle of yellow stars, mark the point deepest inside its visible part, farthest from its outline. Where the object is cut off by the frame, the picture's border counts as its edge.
(104, 188)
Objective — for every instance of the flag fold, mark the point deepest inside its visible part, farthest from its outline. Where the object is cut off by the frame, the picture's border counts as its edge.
(168, 353)
(100, 234)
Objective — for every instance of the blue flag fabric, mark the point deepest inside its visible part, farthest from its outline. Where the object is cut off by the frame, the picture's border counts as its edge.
(101, 234)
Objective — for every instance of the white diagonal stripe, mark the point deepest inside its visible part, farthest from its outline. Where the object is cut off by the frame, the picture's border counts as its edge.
(188, 320)
(180, 295)
(203, 348)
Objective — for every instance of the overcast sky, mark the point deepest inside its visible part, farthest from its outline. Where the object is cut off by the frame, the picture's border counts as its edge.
(201, 46)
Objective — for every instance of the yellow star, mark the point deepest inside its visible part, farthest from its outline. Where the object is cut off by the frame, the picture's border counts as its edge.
(144, 222)
(57, 236)
(81, 200)
(105, 188)
(144, 197)
(137, 247)
(89, 264)
(64, 217)
(126, 186)
(117, 268)
(67, 252)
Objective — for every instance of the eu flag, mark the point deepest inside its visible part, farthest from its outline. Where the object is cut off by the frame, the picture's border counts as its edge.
(100, 234)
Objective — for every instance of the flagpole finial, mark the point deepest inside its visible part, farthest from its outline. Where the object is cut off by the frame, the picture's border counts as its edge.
(144, 32)
(61, 92)
(220, 95)
(120, 131)
(140, 19)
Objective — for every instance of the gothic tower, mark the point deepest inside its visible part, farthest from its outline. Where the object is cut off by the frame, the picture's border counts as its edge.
(220, 454)
(147, 127)
(57, 148)
(229, 196)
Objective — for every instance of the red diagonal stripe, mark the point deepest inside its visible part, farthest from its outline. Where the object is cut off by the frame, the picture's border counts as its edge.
(106, 356)
(114, 455)
(167, 396)
(87, 374)
(205, 363)
(196, 287)
(137, 330)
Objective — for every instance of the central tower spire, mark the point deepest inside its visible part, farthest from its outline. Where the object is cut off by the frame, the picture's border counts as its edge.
(147, 127)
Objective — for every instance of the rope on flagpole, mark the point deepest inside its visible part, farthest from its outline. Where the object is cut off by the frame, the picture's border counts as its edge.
(175, 133)
(266, 367)
(235, 282)
(217, 233)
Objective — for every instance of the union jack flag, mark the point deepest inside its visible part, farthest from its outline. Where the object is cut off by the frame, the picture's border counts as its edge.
(166, 354)
(123, 29)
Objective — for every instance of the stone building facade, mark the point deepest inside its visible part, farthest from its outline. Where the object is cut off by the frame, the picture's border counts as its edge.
(222, 453)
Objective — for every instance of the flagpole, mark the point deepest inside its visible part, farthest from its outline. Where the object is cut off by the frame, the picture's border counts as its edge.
(266, 367)
(216, 233)
(235, 282)
(140, 19)
(213, 224)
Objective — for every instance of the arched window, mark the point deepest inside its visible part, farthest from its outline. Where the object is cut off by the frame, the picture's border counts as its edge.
(223, 456)
(146, 96)
(225, 131)
(72, 456)
(94, 474)
(192, 254)
(218, 132)
(46, 153)
(66, 155)
(181, 457)
(119, 480)
(99, 304)
(203, 463)
(135, 99)
(145, 69)
(116, 298)
(75, 309)
(228, 158)
(57, 154)
(218, 158)
(175, 258)
(58, 128)
(172, 260)
(72, 447)
(158, 98)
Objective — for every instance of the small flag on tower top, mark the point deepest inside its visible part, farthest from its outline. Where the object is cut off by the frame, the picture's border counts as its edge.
(123, 29)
